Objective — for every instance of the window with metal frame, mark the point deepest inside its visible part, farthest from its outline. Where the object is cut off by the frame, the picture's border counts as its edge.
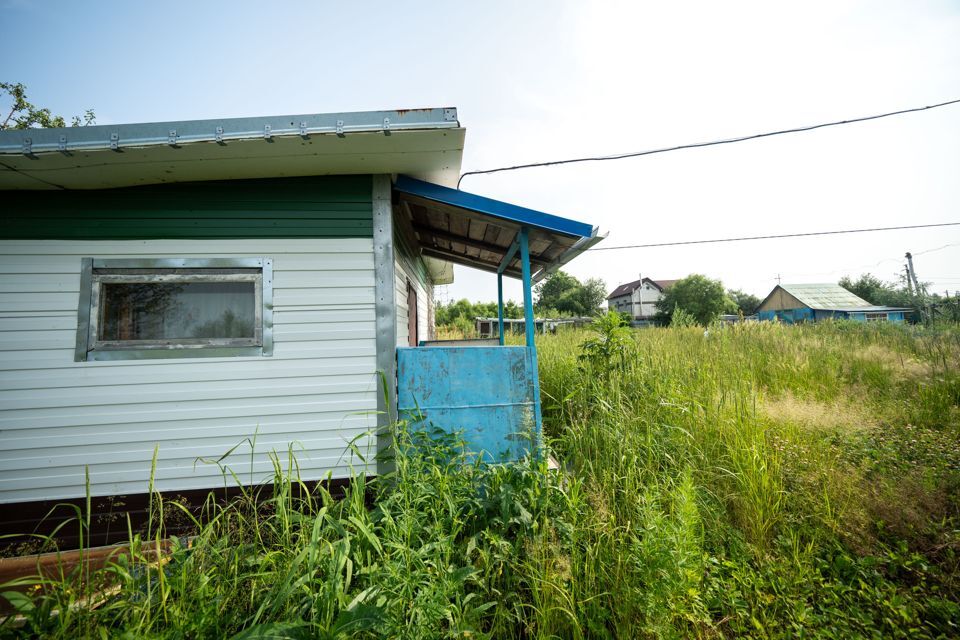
(876, 316)
(175, 308)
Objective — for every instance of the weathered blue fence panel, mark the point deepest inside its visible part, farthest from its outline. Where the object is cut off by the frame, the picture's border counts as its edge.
(486, 392)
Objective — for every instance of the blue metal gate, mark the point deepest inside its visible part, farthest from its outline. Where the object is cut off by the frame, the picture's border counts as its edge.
(488, 393)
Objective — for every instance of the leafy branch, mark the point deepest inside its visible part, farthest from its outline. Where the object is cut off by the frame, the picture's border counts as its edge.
(25, 115)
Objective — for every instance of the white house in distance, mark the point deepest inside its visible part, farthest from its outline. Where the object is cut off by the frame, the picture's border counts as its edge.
(638, 298)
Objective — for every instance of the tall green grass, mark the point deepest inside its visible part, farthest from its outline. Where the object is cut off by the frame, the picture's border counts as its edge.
(755, 480)
(743, 516)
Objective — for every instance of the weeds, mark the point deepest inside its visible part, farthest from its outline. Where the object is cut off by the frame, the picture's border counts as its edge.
(816, 463)
(757, 480)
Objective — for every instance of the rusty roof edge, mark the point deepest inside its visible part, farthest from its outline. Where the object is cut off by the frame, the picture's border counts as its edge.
(31, 142)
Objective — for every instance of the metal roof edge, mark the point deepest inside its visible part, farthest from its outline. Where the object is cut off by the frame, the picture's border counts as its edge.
(492, 207)
(116, 137)
(867, 309)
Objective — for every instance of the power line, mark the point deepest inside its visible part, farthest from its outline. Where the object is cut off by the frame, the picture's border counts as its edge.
(694, 145)
(770, 237)
(898, 258)
(920, 253)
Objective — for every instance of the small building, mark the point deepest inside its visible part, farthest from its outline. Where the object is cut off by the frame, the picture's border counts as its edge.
(795, 303)
(490, 327)
(188, 287)
(638, 298)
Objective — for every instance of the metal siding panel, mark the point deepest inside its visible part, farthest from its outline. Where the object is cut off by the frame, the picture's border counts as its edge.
(174, 392)
(403, 330)
(319, 207)
(118, 373)
(409, 267)
(319, 389)
(385, 302)
(485, 392)
(330, 423)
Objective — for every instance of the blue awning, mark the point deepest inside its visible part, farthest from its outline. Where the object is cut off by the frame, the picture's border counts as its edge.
(481, 232)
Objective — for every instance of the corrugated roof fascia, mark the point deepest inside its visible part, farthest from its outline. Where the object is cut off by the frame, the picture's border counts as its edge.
(120, 136)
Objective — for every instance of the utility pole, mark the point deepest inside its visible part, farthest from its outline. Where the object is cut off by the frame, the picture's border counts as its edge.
(925, 311)
(913, 274)
(906, 270)
(640, 290)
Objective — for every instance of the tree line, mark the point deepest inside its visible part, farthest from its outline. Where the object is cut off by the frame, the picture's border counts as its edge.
(559, 295)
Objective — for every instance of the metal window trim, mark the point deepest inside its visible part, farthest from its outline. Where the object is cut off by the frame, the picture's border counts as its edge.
(385, 291)
(90, 348)
(83, 310)
(160, 354)
(182, 343)
(178, 263)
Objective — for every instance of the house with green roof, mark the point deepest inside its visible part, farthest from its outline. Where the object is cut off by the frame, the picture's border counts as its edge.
(795, 303)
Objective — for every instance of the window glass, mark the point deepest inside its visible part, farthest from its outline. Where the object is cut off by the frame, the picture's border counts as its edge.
(177, 310)
(214, 307)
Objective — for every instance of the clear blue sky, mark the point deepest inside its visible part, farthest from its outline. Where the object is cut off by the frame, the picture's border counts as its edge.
(541, 80)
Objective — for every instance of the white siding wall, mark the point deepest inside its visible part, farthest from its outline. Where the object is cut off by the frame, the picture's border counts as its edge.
(57, 416)
(424, 300)
(649, 295)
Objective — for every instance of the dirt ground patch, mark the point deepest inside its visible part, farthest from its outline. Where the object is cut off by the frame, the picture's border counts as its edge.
(903, 365)
(812, 414)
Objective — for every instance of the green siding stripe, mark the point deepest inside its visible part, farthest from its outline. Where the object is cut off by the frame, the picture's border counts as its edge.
(315, 207)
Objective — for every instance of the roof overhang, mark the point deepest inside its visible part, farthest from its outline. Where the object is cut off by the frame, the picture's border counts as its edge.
(427, 143)
(869, 309)
(474, 231)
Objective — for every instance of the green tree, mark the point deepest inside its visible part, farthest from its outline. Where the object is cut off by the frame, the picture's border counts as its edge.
(876, 291)
(562, 294)
(461, 311)
(593, 294)
(25, 115)
(746, 302)
(557, 291)
(697, 295)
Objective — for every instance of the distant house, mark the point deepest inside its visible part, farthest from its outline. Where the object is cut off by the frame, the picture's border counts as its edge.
(794, 303)
(638, 298)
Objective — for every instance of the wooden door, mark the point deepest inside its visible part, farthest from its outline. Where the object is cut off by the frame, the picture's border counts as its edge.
(412, 315)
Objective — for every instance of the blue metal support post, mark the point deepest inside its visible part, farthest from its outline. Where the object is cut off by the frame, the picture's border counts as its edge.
(527, 287)
(500, 306)
(531, 331)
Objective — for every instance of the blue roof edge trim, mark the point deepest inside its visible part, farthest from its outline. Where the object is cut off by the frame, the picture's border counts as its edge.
(495, 208)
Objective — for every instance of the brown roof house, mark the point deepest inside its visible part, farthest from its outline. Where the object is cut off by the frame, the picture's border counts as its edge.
(638, 298)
